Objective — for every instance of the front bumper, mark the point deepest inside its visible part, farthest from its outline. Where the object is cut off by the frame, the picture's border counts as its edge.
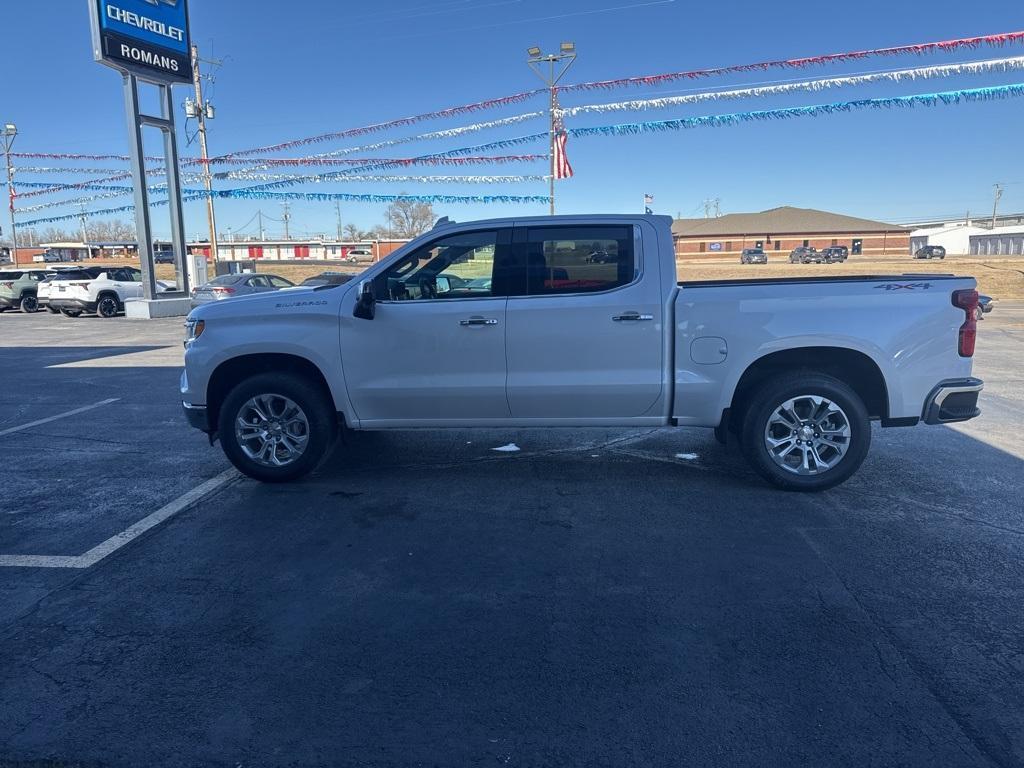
(197, 416)
(953, 400)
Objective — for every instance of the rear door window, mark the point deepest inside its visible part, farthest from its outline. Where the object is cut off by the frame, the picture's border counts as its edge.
(567, 260)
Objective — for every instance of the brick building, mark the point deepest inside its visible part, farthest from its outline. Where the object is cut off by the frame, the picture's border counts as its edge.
(780, 230)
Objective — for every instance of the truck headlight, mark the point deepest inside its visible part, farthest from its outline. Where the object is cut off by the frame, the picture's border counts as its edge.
(193, 330)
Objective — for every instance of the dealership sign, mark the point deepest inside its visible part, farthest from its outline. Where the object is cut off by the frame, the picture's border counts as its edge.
(148, 38)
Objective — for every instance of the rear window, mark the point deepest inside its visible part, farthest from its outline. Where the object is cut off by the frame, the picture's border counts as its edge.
(225, 280)
(10, 275)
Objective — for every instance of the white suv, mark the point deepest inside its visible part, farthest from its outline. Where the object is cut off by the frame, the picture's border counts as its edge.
(105, 294)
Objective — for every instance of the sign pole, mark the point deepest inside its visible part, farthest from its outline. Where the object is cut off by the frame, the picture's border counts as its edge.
(188, 267)
(137, 157)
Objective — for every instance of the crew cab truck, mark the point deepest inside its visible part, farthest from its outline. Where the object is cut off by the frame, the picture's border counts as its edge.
(532, 334)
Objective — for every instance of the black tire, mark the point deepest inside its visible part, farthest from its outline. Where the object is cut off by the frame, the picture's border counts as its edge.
(765, 403)
(107, 306)
(29, 303)
(315, 405)
(70, 312)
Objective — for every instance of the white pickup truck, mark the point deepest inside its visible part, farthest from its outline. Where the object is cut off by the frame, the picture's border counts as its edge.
(508, 323)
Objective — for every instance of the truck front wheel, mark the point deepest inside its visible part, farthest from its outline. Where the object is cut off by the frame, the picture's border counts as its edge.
(276, 427)
(806, 431)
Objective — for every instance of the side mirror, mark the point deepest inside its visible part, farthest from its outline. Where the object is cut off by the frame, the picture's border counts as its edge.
(443, 284)
(366, 304)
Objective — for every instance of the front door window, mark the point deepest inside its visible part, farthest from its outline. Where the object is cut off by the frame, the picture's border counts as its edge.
(456, 267)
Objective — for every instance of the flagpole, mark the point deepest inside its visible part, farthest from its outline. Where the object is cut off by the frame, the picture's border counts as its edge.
(567, 55)
(551, 141)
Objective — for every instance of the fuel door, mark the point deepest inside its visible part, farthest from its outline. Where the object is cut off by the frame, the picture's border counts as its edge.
(709, 350)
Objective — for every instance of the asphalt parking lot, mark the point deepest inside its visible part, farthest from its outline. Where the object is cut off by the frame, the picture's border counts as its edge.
(596, 598)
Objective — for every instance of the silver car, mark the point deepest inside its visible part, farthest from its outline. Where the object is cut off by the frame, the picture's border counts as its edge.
(229, 286)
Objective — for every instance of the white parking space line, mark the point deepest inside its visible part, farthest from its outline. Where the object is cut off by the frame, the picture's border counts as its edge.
(118, 540)
(48, 419)
(163, 357)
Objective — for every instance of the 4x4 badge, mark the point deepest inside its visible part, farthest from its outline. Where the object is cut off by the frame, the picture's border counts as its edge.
(903, 286)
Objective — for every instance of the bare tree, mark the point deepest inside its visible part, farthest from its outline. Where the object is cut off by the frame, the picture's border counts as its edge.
(407, 219)
(110, 231)
(351, 232)
(56, 235)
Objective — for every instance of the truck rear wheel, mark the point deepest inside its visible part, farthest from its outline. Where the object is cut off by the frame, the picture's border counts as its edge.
(276, 427)
(806, 431)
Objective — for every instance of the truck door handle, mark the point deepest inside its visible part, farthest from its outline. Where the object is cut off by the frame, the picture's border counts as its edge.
(477, 320)
(631, 317)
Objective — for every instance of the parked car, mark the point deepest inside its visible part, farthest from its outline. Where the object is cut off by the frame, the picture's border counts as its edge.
(984, 306)
(930, 252)
(753, 256)
(359, 254)
(327, 278)
(163, 257)
(243, 284)
(835, 254)
(19, 288)
(104, 294)
(804, 254)
(47, 257)
(47, 286)
(757, 360)
(601, 257)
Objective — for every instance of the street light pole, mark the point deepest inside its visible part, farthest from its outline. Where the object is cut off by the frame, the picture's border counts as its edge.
(558, 65)
(9, 132)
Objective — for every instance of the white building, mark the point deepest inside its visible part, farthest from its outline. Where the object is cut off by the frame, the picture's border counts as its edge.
(961, 238)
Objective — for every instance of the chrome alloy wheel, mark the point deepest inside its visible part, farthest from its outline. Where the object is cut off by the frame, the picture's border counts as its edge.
(272, 430)
(807, 435)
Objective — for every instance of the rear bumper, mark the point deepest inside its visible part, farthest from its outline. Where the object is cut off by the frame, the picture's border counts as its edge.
(7, 302)
(76, 304)
(953, 400)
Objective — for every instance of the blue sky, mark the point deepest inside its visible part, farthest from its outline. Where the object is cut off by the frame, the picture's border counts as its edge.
(306, 67)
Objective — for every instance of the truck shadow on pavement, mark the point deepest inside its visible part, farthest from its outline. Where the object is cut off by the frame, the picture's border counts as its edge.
(592, 598)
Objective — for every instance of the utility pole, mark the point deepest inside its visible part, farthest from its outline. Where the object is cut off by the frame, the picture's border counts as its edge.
(8, 132)
(995, 202)
(337, 218)
(204, 110)
(558, 65)
(81, 221)
(286, 217)
(259, 217)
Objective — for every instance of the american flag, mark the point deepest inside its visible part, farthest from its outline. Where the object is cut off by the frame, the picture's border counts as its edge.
(560, 161)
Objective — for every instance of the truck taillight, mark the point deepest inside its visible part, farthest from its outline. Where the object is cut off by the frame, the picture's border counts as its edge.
(7, 285)
(967, 301)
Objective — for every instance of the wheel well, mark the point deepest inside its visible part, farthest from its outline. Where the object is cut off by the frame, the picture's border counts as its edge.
(112, 294)
(237, 369)
(849, 366)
